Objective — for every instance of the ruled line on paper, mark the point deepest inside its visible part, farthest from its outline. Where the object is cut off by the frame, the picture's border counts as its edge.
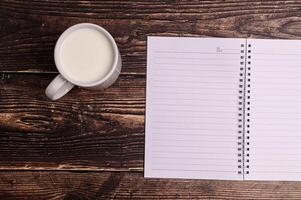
(197, 76)
(181, 148)
(199, 152)
(185, 102)
(207, 111)
(201, 100)
(194, 70)
(168, 169)
(286, 60)
(278, 154)
(287, 107)
(273, 54)
(194, 64)
(280, 160)
(193, 58)
(277, 172)
(191, 93)
(191, 105)
(283, 148)
(279, 165)
(195, 81)
(279, 142)
(279, 136)
(189, 129)
(187, 140)
(273, 65)
(276, 95)
(231, 49)
(270, 89)
(193, 158)
(269, 129)
(259, 119)
(272, 83)
(272, 71)
(278, 77)
(202, 127)
(184, 146)
(276, 100)
(203, 135)
(191, 164)
(191, 152)
(277, 112)
(193, 117)
(197, 88)
(195, 52)
(190, 122)
(195, 135)
(280, 124)
(279, 67)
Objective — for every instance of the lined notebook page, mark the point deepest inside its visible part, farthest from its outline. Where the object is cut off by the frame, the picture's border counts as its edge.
(275, 110)
(192, 108)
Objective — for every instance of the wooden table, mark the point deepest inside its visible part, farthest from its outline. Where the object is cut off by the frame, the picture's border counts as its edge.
(90, 144)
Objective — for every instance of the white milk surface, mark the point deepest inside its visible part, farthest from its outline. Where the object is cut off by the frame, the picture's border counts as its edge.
(86, 55)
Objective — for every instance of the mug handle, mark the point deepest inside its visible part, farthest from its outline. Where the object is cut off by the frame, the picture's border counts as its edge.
(58, 87)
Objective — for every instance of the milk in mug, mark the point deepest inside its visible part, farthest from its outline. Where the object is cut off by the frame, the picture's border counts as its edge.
(86, 55)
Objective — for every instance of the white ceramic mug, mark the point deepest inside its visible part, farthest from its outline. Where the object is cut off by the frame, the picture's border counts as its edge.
(63, 83)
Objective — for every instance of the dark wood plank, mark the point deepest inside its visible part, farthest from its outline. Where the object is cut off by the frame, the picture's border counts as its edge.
(29, 29)
(87, 130)
(122, 185)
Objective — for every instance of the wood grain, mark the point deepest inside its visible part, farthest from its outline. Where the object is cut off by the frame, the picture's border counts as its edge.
(123, 185)
(88, 130)
(29, 30)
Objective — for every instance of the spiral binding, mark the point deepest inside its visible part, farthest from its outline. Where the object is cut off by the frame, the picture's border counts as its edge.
(247, 110)
(241, 109)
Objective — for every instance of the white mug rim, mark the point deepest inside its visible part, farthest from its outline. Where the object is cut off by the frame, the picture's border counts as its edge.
(60, 41)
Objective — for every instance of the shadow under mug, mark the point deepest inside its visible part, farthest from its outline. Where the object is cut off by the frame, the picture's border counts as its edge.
(62, 83)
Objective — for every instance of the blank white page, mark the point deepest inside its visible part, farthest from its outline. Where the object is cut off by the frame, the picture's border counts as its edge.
(275, 110)
(192, 107)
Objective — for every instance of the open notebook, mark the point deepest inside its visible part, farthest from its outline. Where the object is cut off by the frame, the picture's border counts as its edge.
(223, 108)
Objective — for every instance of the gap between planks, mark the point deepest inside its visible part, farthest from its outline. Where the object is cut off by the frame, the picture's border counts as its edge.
(42, 72)
(135, 170)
